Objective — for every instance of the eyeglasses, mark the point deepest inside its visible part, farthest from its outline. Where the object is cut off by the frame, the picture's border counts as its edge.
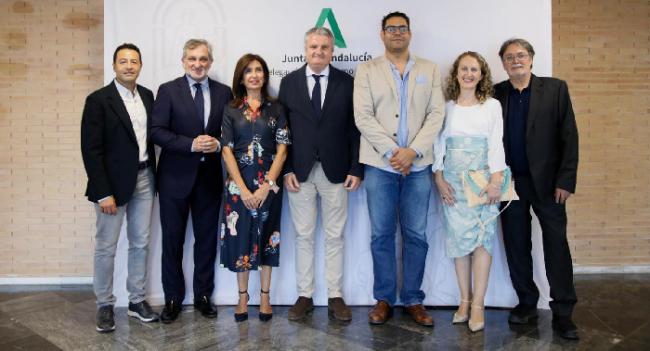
(395, 29)
(520, 56)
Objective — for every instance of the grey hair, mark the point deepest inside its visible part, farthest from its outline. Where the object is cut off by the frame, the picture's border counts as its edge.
(195, 43)
(521, 42)
(319, 31)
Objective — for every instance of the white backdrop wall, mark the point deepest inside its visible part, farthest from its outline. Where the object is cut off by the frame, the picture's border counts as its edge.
(275, 29)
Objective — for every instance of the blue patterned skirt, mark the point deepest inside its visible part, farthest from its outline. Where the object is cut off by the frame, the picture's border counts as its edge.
(467, 227)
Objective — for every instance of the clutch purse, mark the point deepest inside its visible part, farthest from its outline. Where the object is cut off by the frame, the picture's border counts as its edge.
(475, 181)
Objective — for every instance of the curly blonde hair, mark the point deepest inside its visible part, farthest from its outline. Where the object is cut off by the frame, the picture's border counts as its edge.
(484, 88)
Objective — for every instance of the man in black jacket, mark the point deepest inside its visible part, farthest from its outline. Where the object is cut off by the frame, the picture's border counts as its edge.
(541, 144)
(323, 161)
(120, 163)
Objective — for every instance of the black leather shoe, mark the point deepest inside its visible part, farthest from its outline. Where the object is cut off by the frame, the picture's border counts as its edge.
(523, 314)
(170, 312)
(565, 327)
(204, 305)
(142, 311)
(105, 319)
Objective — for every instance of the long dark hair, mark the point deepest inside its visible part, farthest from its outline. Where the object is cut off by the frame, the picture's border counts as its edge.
(238, 88)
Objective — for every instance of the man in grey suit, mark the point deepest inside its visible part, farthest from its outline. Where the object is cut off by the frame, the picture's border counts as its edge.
(398, 108)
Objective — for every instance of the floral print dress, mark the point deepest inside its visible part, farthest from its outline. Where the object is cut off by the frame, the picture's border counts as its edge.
(250, 238)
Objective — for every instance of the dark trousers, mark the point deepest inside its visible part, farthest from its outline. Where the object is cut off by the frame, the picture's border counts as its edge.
(516, 223)
(203, 201)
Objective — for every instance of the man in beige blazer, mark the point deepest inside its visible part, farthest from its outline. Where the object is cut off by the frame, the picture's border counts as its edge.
(398, 108)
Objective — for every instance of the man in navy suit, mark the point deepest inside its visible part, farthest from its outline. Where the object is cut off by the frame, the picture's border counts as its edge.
(323, 161)
(186, 123)
(120, 162)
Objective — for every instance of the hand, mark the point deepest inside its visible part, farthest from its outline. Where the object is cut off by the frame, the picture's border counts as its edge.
(205, 143)
(351, 183)
(402, 160)
(248, 199)
(261, 194)
(493, 193)
(291, 182)
(561, 195)
(445, 189)
(107, 206)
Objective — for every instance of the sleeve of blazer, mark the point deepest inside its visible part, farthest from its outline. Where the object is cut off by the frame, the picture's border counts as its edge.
(364, 113)
(568, 170)
(356, 168)
(282, 97)
(435, 114)
(92, 147)
(161, 132)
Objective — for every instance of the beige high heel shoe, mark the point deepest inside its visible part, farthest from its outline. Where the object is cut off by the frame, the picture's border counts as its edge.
(478, 326)
(459, 318)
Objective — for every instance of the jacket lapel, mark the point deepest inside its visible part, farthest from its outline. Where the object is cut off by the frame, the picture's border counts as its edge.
(304, 97)
(119, 108)
(332, 84)
(388, 75)
(536, 89)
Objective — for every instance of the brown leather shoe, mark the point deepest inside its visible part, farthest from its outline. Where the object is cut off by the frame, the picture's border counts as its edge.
(380, 313)
(302, 306)
(420, 315)
(336, 306)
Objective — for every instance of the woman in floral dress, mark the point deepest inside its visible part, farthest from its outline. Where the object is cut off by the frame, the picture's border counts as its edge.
(254, 136)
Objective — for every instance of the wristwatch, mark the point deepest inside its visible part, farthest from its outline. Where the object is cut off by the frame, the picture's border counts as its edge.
(271, 183)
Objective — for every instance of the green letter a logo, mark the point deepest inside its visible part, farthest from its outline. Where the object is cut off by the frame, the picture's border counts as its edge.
(328, 14)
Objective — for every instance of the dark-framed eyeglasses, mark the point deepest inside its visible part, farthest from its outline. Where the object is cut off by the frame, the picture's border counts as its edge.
(520, 56)
(395, 29)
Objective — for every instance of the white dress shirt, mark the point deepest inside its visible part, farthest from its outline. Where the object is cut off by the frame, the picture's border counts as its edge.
(323, 82)
(138, 115)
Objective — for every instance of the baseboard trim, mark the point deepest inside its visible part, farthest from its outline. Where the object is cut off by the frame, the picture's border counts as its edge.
(89, 280)
(611, 269)
(46, 280)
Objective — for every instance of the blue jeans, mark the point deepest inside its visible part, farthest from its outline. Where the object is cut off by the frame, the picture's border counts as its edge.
(391, 195)
(138, 217)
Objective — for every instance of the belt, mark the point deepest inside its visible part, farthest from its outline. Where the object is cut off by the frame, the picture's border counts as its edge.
(144, 165)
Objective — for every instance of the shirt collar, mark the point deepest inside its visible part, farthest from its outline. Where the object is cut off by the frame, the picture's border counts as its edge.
(125, 93)
(325, 72)
(409, 65)
(527, 88)
(191, 82)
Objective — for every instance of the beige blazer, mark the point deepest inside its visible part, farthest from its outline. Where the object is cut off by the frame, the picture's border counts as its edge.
(376, 110)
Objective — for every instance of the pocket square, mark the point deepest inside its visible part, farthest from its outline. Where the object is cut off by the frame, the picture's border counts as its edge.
(421, 79)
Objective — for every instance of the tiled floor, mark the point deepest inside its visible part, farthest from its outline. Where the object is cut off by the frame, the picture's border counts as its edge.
(613, 314)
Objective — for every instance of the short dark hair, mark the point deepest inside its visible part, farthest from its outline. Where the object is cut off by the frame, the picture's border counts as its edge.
(238, 88)
(518, 41)
(127, 46)
(395, 14)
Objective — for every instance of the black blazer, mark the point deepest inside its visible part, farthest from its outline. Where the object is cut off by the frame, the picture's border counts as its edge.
(334, 137)
(175, 124)
(551, 134)
(108, 144)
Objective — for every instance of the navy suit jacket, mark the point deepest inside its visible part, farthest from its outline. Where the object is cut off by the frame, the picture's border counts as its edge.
(551, 134)
(175, 124)
(334, 137)
(109, 146)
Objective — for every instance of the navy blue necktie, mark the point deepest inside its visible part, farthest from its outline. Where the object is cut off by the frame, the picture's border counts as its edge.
(315, 95)
(198, 102)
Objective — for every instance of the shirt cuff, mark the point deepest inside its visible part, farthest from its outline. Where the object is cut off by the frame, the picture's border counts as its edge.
(417, 152)
(103, 198)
